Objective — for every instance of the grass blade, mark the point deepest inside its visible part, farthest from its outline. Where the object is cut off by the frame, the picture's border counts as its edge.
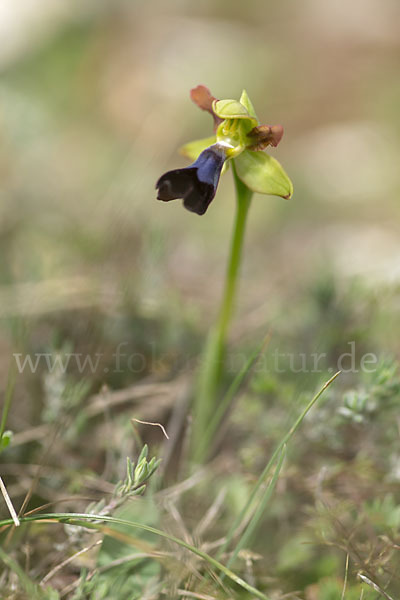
(268, 467)
(86, 520)
(251, 526)
(205, 442)
(31, 589)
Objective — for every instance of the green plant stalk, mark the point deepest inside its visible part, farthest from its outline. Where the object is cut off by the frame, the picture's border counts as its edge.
(201, 452)
(213, 358)
(86, 520)
(8, 398)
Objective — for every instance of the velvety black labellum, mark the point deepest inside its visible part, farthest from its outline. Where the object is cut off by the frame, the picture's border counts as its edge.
(195, 184)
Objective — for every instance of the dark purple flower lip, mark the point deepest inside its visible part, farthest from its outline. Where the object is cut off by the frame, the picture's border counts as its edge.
(195, 184)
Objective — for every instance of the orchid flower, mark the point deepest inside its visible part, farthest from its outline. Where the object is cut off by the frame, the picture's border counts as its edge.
(238, 137)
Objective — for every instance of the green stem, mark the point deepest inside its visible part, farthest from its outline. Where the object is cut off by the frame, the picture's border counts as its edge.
(202, 451)
(8, 399)
(243, 195)
(213, 358)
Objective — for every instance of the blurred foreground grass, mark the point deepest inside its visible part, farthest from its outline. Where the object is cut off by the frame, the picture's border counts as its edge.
(94, 104)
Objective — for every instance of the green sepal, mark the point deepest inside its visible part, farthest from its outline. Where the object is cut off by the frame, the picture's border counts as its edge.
(225, 167)
(247, 103)
(193, 149)
(263, 174)
(232, 109)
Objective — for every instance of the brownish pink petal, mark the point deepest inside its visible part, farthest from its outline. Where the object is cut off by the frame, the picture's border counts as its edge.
(202, 96)
(265, 135)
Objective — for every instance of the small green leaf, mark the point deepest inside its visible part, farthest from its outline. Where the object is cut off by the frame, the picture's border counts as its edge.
(5, 439)
(247, 103)
(143, 453)
(232, 109)
(193, 149)
(263, 174)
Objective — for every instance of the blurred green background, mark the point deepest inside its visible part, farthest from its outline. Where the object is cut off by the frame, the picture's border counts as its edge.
(94, 105)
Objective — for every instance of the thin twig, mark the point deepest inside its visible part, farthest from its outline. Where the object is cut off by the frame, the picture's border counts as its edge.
(175, 426)
(154, 424)
(161, 393)
(194, 595)
(374, 586)
(346, 572)
(175, 514)
(211, 514)
(10, 506)
(66, 562)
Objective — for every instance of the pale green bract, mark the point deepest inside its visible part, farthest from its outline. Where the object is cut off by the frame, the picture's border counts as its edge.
(247, 103)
